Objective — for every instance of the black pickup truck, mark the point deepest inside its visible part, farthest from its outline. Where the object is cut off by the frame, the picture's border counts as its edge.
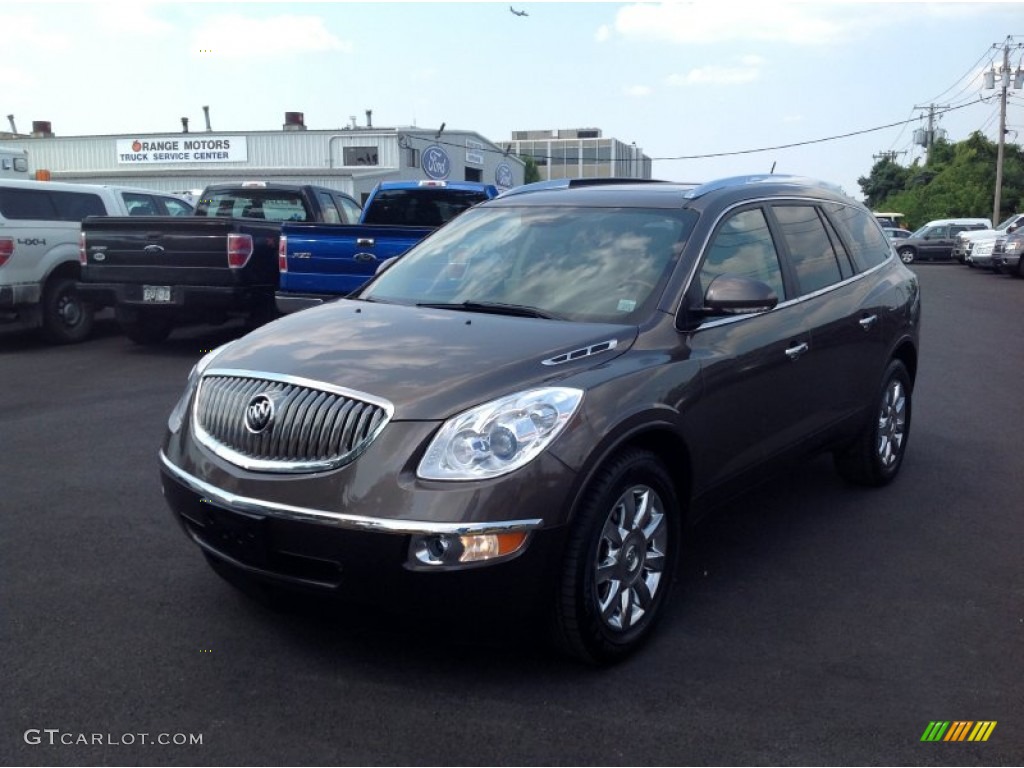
(159, 272)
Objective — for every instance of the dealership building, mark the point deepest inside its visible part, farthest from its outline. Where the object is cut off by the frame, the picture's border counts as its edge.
(352, 159)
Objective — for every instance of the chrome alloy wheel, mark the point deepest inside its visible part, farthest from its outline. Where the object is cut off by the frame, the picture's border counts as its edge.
(892, 422)
(631, 557)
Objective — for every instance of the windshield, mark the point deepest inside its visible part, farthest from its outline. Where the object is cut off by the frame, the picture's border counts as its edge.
(1006, 223)
(581, 264)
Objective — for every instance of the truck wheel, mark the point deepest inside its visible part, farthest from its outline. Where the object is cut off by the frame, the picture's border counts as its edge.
(66, 318)
(146, 328)
(620, 560)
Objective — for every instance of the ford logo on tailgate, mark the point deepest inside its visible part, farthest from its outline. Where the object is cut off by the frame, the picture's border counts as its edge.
(259, 414)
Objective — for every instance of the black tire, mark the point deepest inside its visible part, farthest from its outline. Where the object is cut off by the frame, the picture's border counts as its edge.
(610, 597)
(66, 318)
(906, 255)
(875, 457)
(146, 328)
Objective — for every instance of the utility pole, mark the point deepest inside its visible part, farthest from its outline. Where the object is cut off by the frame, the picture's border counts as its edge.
(926, 138)
(1004, 73)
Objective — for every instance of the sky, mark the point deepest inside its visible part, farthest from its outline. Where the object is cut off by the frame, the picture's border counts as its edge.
(707, 88)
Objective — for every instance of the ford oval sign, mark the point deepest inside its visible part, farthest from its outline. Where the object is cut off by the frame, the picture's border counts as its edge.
(503, 175)
(436, 163)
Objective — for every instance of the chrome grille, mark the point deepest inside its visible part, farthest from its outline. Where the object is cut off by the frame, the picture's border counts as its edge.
(313, 426)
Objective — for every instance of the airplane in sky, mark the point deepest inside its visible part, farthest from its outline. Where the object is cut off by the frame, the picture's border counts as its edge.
(518, 13)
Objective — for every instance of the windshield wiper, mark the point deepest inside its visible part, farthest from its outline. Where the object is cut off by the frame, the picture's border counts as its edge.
(493, 307)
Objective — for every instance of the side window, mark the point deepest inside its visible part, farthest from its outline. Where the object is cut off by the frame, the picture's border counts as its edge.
(176, 207)
(34, 204)
(809, 248)
(867, 244)
(937, 233)
(350, 209)
(331, 215)
(75, 206)
(139, 204)
(742, 245)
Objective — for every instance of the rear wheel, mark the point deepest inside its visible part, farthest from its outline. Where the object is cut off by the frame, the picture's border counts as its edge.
(146, 328)
(876, 456)
(66, 318)
(620, 560)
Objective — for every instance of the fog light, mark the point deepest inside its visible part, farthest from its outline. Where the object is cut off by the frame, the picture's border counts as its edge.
(445, 549)
(487, 546)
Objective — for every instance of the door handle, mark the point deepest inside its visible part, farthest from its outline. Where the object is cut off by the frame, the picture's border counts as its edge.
(365, 242)
(867, 322)
(797, 350)
(364, 257)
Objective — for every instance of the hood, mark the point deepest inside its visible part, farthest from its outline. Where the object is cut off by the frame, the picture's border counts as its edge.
(429, 363)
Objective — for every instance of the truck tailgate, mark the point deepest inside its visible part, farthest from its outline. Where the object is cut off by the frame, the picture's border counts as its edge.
(339, 258)
(172, 251)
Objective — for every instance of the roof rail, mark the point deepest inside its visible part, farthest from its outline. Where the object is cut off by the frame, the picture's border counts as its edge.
(537, 186)
(759, 178)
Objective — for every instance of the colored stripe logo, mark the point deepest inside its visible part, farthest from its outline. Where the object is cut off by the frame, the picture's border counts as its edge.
(958, 730)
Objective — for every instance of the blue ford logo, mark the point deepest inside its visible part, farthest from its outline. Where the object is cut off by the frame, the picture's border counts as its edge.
(259, 414)
(503, 175)
(436, 163)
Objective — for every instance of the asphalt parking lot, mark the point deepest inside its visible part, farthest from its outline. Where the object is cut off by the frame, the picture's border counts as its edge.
(813, 623)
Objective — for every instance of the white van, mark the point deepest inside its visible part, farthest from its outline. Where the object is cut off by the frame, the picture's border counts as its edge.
(40, 223)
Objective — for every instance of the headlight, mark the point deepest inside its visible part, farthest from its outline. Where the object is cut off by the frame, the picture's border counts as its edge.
(500, 436)
(178, 413)
(1013, 246)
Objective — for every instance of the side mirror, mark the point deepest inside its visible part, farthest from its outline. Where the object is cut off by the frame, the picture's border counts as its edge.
(730, 294)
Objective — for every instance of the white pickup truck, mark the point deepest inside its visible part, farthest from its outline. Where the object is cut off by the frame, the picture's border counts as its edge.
(40, 223)
(960, 246)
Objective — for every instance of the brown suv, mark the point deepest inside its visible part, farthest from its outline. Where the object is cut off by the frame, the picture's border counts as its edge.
(535, 400)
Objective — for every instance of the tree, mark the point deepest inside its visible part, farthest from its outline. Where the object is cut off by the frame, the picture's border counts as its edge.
(887, 178)
(531, 172)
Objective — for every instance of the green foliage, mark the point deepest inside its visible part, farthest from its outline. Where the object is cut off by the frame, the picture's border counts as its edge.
(531, 172)
(958, 180)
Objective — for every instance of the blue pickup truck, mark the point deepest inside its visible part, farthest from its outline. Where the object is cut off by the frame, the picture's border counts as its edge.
(320, 262)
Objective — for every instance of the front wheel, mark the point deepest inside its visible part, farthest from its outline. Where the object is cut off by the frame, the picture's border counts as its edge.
(875, 457)
(66, 318)
(620, 560)
(906, 254)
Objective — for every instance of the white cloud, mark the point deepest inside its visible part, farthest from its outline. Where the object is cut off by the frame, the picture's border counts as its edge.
(604, 33)
(796, 23)
(133, 19)
(717, 75)
(639, 91)
(234, 36)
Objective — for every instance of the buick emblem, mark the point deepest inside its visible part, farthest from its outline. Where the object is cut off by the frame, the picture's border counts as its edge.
(259, 414)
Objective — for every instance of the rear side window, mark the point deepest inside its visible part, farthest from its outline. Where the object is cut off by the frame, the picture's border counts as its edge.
(810, 250)
(743, 246)
(75, 206)
(49, 205)
(176, 207)
(868, 245)
(140, 205)
(34, 204)
(331, 215)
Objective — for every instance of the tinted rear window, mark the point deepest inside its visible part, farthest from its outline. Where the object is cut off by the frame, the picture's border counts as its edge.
(420, 207)
(49, 205)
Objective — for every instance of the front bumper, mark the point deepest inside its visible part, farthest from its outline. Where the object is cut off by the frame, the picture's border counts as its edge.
(351, 555)
(1006, 262)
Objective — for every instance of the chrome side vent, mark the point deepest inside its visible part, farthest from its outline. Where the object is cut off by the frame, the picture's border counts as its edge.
(576, 354)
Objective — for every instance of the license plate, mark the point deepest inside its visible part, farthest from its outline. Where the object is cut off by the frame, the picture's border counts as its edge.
(156, 293)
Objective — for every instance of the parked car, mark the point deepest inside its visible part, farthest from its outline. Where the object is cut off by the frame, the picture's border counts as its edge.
(320, 262)
(538, 417)
(980, 252)
(220, 262)
(1006, 256)
(40, 223)
(934, 241)
(962, 241)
